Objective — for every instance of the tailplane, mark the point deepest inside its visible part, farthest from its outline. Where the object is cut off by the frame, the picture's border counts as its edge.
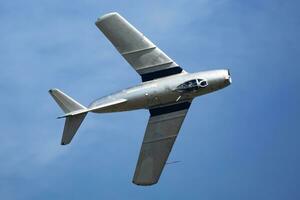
(74, 114)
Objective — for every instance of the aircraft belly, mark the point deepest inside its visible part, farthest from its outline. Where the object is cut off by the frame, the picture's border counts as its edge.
(147, 96)
(131, 103)
(146, 99)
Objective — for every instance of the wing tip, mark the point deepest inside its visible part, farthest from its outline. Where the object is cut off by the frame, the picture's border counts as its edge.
(144, 183)
(105, 16)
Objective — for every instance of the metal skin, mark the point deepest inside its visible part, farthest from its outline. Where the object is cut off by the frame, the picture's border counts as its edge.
(162, 91)
(166, 91)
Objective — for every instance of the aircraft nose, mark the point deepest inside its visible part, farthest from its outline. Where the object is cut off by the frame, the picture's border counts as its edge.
(228, 77)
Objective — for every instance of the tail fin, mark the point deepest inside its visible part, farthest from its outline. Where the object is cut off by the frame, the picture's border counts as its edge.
(75, 114)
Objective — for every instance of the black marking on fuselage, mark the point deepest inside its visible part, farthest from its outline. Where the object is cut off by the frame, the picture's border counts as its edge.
(169, 109)
(161, 73)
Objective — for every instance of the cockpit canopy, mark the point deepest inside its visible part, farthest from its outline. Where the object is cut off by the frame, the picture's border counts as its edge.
(192, 85)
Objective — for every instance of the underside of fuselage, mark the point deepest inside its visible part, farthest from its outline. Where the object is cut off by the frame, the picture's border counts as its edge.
(164, 91)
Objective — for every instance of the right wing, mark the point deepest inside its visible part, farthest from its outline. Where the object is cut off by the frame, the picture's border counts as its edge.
(147, 59)
(161, 132)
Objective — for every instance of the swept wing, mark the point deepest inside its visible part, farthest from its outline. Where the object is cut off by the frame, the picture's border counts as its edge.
(146, 58)
(161, 132)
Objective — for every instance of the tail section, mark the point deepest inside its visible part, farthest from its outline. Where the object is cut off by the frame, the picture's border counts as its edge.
(72, 124)
(74, 114)
(66, 103)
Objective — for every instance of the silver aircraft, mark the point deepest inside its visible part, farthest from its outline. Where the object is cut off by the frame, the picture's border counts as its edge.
(166, 91)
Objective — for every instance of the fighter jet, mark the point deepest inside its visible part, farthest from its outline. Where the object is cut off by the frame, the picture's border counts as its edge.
(166, 90)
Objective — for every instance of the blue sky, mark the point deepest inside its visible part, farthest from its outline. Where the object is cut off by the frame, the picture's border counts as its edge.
(238, 143)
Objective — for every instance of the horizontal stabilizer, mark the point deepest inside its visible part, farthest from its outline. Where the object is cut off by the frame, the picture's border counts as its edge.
(72, 124)
(66, 103)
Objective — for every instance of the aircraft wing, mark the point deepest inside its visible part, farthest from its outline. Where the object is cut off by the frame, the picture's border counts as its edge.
(146, 58)
(161, 132)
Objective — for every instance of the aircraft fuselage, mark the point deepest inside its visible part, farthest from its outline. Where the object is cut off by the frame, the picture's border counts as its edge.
(172, 89)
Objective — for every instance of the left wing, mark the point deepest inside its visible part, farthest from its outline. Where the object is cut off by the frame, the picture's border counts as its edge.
(162, 130)
(146, 58)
